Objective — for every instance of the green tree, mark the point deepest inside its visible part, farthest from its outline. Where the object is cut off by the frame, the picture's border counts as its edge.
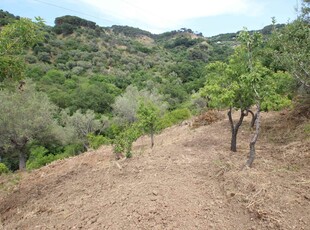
(242, 83)
(82, 124)
(292, 47)
(148, 118)
(25, 115)
(126, 105)
(225, 88)
(94, 95)
(124, 140)
(305, 10)
(14, 39)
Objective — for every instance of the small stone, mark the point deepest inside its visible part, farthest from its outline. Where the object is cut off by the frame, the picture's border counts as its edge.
(155, 193)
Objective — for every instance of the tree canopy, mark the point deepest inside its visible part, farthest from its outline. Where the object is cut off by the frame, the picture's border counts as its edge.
(244, 82)
(14, 39)
(25, 115)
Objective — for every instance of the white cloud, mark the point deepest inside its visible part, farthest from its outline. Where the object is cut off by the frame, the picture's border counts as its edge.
(159, 15)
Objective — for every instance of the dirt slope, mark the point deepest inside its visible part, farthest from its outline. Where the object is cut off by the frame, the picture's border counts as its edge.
(189, 180)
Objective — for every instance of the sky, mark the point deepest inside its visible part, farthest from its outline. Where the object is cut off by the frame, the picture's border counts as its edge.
(210, 17)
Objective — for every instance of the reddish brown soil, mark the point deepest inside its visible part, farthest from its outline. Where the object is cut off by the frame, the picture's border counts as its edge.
(189, 180)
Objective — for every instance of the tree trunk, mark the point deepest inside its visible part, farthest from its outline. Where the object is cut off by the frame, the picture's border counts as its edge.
(20, 147)
(152, 139)
(233, 143)
(22, 161)
(254, 138)
(254, 117)
(235, 128)
(85, 146)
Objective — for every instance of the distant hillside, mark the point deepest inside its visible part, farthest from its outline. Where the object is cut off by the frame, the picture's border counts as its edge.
(231, 37)
(78, 55)
(77, 52)
(79, 60)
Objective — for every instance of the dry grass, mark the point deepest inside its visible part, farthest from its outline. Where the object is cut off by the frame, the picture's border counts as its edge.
(207, 118)
(276, 190)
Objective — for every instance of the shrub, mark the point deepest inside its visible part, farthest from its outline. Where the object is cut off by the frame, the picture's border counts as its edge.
(65, 29)
(3, 168)
(174, 117)
(56, 76)
(113, 130)
(77, 70)
(123, 142)
(84, 64)
(39, 157)
(95, 141)
(73, 149)
(30, 59)
(44, 57)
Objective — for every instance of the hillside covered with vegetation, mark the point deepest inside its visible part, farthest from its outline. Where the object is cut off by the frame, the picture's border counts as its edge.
(76, 85)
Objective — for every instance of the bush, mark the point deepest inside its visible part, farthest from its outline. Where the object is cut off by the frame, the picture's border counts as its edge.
(3, 168)
(44, 57)
(39, 157)
(95, 141)
(65, 29)
(123, 142)
(174, 117)
(56, 76)
(30, 59)
(77, 70)
(84, 64)
(113, 130)
(73, 149)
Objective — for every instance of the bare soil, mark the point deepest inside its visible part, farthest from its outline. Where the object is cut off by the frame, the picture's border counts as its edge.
(189, 180)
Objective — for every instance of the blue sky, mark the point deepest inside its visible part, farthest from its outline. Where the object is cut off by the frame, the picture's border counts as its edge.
(211, 17)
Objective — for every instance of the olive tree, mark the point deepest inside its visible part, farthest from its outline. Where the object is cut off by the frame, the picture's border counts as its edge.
(82, 124)
(126, 105)
(25, 115)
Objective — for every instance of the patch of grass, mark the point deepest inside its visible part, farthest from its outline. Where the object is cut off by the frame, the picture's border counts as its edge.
(288, 168)
(307, 129)
(9, 181)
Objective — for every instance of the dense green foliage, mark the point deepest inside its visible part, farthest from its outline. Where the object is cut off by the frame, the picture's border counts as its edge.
(66, 25)
(6, 17)
(3, 168)
(95, 141)
(123, 142)
(174, 117)
(26, 115)
(245, 82)
(292, 50)
(126, 105)
(148, 118)
(14, 39)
